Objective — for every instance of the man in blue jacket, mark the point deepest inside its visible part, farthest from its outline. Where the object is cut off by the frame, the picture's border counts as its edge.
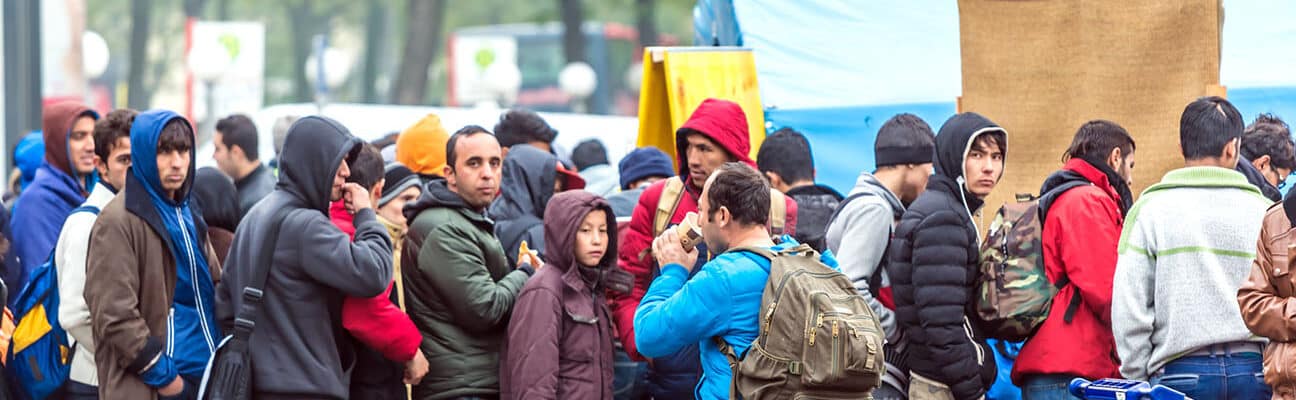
(724, 298)
(61, 184)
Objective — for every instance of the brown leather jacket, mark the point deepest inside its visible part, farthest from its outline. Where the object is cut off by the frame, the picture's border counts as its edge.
(1265, 297)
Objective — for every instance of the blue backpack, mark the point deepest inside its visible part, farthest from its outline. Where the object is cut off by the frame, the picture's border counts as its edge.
(40, 353)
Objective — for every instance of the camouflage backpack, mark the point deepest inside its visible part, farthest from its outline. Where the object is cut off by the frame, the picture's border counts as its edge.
(1014, 294)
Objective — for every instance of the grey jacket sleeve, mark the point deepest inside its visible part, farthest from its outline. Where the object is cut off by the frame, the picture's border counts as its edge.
(861, 233)
(359, 268)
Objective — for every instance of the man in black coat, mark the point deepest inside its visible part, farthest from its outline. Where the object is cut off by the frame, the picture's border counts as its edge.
(934, 259)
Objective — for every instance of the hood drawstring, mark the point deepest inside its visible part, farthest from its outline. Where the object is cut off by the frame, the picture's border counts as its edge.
(963, 197)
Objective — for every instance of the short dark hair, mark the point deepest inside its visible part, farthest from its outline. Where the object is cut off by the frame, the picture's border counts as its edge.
(176, 135)
(115, 125)
(367, 167)
(466, 131)
(786, 153)
(238, 130)
(1095, 140)
(905, 130)
(743, 191)
(996, 138)
(518, 126)
(588, 154)
(1207, 125)
(1269, 136)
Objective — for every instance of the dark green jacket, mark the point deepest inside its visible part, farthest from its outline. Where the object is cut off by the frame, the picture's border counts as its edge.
(459, 289)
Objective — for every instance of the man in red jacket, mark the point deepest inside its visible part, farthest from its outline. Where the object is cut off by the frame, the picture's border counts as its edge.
(1082, 227)
(388, 355)
(716, 133)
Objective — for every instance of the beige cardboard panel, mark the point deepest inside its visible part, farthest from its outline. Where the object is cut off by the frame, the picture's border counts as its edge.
(1042, 68)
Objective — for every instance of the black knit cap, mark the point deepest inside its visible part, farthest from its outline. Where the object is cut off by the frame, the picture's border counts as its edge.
(398, 177)
(904, 139)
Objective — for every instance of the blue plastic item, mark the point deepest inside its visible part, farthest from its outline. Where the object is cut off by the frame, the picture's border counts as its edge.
(1120, 389)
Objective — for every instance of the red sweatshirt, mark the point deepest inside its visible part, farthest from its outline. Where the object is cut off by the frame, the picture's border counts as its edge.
(376, 321)
(726, 125)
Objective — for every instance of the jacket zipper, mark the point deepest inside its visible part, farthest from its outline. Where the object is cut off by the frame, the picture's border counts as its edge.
(170, 349)
(967, 328)
(193, 278)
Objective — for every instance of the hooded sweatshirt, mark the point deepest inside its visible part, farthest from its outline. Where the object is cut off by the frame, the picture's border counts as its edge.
(1257, 179)
(560, 336)
(150, 279)
(933, 269)
(421, 147)
(724, 123)
(1181, 260)
(216, 196)
(54, 192)
(299, 347)
(868, 218)
(460, 290)
(525, 189)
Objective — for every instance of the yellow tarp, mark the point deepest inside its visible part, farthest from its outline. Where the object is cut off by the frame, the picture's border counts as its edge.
(677, 79)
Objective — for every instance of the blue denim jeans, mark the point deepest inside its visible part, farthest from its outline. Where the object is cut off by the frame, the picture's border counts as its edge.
(1218, 376)
(80, 391)
(630, 377)
(1046, 387)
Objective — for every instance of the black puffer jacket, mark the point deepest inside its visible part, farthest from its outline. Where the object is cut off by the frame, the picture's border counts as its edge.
(933, 270)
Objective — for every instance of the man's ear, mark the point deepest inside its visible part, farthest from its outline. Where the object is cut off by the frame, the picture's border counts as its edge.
(1261, 162)
(723, 217)
(238, 151)
(101, 165)
(1115, 158)
(376, 192)
(774, 179)
(447, 171)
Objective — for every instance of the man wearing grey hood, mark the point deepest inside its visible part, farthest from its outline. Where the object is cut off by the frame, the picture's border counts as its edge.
(299, 348)
(868, 215)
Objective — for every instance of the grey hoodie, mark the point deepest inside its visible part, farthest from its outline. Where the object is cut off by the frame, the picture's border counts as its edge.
(868, 221)
(299, 349)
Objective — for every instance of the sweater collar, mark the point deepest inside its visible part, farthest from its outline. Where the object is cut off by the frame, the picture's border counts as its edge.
(1204, 177)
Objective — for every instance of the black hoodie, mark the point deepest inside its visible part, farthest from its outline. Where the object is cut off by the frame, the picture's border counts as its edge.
(933, 257)
(1257, 179)
(299, 347)
(526, 185)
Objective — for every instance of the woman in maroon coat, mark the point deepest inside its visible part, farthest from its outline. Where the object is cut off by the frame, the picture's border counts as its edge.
(560, 335)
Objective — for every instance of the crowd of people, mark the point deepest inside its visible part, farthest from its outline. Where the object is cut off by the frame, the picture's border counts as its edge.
(481, 264)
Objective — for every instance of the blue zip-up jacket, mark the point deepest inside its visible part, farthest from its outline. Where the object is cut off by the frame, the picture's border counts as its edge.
(723, 299)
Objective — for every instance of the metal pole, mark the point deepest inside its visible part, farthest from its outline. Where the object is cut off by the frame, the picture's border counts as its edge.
(22, 73)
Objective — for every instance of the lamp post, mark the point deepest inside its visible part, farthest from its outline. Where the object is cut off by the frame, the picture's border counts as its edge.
(208, 61)
(327, 72)
(578, 80)
(503, 80)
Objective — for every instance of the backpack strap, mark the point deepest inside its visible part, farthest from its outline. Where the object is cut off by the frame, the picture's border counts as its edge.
(730, 355)
(1062, 282)
(86, 208)
(875, 281)
(778, 212)
(667, 204)
(245, 321)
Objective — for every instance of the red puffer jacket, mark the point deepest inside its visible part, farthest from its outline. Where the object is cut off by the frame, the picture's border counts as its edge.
(1081, 231)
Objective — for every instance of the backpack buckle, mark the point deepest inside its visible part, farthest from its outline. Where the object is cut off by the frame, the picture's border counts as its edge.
(794, 368)
(251, 294)
(244, 324)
